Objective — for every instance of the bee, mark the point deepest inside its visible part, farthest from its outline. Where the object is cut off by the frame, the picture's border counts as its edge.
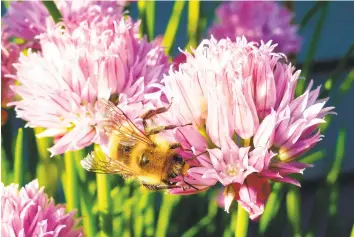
(133, 153)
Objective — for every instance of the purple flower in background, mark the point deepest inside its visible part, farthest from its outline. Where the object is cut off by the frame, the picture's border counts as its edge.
(9, 55)
(248, 127)
(28, 19)
(60, 85)
(30, 212)
(257, 21)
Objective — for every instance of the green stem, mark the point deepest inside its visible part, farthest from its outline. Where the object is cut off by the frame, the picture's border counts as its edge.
(142, 16)
(53, 10)
(88, 219)
(5, 169)
(313, 48)
(339, 156)
(79, 155)
(19, 166)
(310, 14)
(313, 157)
(172, 26)
(193, 20)
(327, 190)
(149, 217)
(168, 202)
(150, 19)
(42, 144)
(271, 208)
(71, 182)
(352, 233)
(329, 84)
(104, 204)
(293, 204)
(204, 222)
(241, 222)
(347, 84)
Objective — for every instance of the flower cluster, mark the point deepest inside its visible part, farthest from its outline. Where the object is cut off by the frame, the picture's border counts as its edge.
(9, 55)
(257, 21)
(29, 212)
(59, 87)
(27, 20)
(248, 127)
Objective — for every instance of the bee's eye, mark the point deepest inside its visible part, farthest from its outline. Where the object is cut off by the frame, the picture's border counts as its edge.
(177, 158)
(143, 160)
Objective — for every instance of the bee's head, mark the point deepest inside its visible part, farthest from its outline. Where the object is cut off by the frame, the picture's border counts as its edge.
(175, 165)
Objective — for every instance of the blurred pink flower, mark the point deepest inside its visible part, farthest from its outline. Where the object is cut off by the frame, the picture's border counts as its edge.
(28, 19)
(30, 212)
(257, 21)
(248, 127)
(60, 86)
(9, 55)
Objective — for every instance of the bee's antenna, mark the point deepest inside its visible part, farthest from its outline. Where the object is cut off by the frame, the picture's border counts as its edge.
(190, 185)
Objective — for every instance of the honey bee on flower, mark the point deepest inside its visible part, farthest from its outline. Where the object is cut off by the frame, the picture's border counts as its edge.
(132, 153)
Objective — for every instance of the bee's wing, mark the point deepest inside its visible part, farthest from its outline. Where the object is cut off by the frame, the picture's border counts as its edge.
(106, 165)
(117, 123)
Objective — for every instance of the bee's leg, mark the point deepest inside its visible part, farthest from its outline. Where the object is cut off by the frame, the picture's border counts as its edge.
(175, 145)
(158, 129)
(153, 112)
(152, 187)
(190, 185)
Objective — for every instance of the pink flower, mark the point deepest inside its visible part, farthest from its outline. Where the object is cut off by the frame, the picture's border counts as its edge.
(30, 212)
(28, 19)
(60, 86)
(248, 128)
(253, 194)
(257, 21)
(180, 58)
(9, 55)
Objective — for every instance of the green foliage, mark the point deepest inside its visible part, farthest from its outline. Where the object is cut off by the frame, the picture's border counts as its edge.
(313, 48)
(193, 21)
(19, 168)
(241, 222)
(172, 26)
(53, 10)
(293, 205)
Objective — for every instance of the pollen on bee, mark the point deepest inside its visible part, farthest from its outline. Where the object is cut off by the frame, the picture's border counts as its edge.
(185, 169)
(152, 179)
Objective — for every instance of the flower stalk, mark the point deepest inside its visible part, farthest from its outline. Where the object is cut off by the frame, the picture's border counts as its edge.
(71, 182)
(193, 20)
(53, 10)
(19, 166)
(172, 26)
(168, 202)
(241, 222)
(293, 204)
(104, 201)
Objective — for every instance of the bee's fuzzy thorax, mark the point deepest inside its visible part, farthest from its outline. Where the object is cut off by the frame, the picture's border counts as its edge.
(161, 144)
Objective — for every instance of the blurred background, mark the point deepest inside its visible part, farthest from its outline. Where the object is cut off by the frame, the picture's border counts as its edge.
(326, 202)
